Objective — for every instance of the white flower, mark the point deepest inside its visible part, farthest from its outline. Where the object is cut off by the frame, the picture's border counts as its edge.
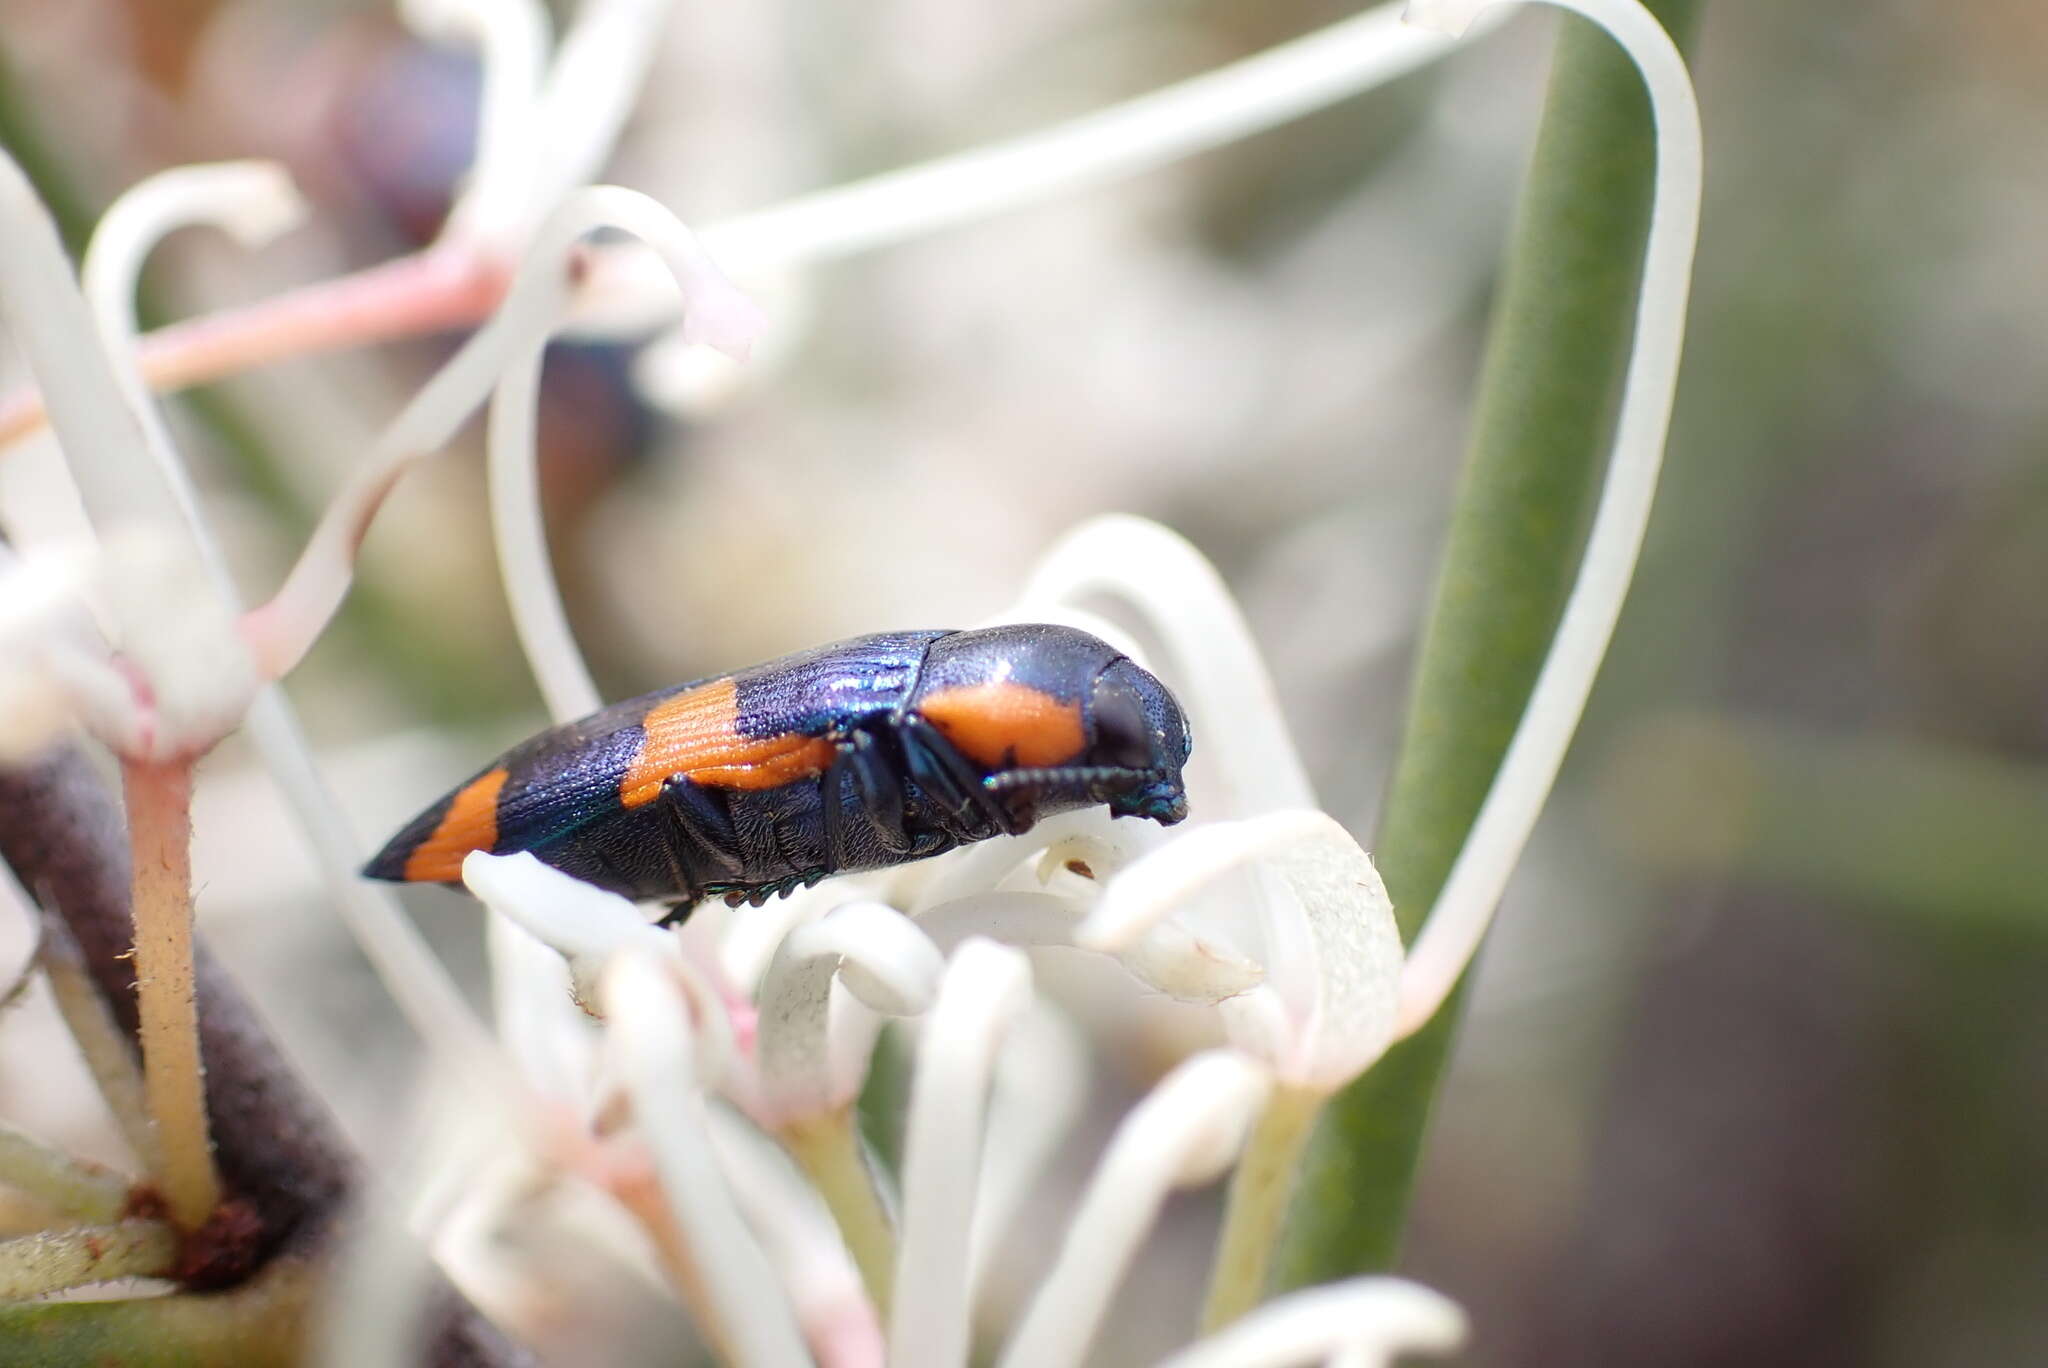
(671, 1041)
(1263, 909)
(1306, 985)
(166, 673)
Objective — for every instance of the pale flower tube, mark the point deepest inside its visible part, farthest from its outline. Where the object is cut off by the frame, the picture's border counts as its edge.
(1187, 1131)
(511, 39)
(886, 962)
(1333, 954)
(985, 988)
(651, 1037)
(282, 630)
(1364, 1323)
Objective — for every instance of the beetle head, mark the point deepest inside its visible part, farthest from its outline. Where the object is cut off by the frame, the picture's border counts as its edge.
(1138, 733)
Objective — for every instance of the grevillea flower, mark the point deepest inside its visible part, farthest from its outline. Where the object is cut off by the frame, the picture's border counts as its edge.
(706, 1076)
(784, 1002)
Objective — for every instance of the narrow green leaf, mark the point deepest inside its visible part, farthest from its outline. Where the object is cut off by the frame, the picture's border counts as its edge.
(1547, 391)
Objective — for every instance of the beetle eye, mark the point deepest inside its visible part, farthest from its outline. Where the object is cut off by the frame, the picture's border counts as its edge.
(1123, 736)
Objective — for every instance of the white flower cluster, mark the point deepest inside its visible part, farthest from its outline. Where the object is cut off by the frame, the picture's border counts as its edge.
(781, 1005)
(1263, 909)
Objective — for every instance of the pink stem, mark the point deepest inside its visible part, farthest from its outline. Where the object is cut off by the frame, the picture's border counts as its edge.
(437, 290)
(174, 1080)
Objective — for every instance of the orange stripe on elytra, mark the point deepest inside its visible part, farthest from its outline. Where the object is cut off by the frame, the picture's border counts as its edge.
(471, 823)
(697, 733)
(1007, 723)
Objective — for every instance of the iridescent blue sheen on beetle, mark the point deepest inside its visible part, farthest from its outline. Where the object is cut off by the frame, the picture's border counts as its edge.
(860, 755)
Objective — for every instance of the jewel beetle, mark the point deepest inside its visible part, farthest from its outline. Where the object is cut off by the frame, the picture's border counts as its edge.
(858, 755)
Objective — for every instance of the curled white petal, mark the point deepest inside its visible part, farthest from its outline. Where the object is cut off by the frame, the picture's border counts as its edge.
(96, 424)
(511, 38)
(120, 482)
(192, 692)
(1448, 17)
(599, 67)
(372, 1314)
(831, 1304)
(1040, 1095)
(1209, 110)
(589, 928)
(176, 635)
(884, 960)
(171, 618)
(675, 372)
(1166, 957)
(1191, 968)
(651, 1036)
(521, 980)
(1212, 662)
(1103, 844)
(50, 655)
(722, 316)
(1372, 1321)
(1186, 1131)
(1262, 91)
(284, 628)
(747, 938)
(36, 711)
(1097, 849)
(985, 988)
(1333, 953)
(1471, 892)
(535, 997)
(676, 375)
(251, 201)
(580, 921)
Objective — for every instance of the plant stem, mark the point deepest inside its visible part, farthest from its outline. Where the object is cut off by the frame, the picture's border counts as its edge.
(53, 1260)
(428, 292)
(261, 1324)
(83, 1191)
(159, 799)
(1554, 361)
(109, 1053)
(1259, 1194)
(281, 1153)
(828, 1148)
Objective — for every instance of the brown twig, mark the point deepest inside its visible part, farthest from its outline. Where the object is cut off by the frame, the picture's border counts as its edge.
(287, 1172)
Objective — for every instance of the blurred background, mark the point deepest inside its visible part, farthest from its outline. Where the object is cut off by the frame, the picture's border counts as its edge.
(1757, 1071)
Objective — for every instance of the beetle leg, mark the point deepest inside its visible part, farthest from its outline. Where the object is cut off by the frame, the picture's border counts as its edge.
(795, 814)
(952, 782)
(862, 808)
(861, 777)
(832, 800)
(879, 794)
(703, 830)
(756, 844)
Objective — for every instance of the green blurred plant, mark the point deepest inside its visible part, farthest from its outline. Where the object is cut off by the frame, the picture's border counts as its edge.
(1557, 350)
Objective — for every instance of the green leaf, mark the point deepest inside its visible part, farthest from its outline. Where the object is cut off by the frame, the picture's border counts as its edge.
(1547, 391)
